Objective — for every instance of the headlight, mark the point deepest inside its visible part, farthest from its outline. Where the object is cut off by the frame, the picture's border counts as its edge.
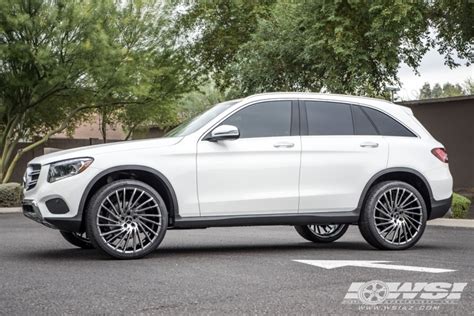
(67, 168)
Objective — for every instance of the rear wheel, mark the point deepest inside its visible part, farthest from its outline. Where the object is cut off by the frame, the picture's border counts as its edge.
(127, 219)
(322, 233)
(77, 239)
(394, 216)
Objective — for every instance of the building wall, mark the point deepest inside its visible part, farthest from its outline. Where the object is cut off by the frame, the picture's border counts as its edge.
(91, 129)
(451, 121)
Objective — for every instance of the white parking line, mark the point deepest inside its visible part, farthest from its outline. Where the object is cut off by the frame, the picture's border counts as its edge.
(333, 264)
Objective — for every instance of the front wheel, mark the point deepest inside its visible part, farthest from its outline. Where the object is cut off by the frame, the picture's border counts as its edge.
(77, 239)
(126, 219)
(394, 216)
(322, 233)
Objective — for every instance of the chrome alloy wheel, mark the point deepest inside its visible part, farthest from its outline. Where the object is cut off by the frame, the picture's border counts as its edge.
(129, 220)
(325, 231)
(398, 216)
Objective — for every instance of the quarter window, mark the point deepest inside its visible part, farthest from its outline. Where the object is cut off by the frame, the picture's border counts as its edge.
(386, 125)
(266, 119)
(362, 124)
(329, 118)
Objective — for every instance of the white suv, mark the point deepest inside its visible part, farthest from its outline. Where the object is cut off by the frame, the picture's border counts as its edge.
(316, 161)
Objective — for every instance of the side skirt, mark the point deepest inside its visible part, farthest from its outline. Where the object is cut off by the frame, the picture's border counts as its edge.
(267, 220)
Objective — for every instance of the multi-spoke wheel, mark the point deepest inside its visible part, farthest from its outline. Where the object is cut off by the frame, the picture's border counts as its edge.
(77, 239)
(394, 216)
(322, 233)
(127, 219)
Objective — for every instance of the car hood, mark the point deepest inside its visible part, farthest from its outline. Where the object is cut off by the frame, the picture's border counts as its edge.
(91, 151)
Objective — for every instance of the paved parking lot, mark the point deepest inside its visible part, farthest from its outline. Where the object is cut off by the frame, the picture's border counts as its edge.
(216, 271)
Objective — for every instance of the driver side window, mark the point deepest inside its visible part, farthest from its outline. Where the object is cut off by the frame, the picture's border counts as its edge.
(265, 119)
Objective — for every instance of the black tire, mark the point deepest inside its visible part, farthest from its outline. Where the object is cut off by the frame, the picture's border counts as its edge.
(328, 233)
(77, 239)
(393, 219)
(132, 221)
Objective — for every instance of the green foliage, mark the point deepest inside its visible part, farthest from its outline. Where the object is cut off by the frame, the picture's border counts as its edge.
(61, 60)
(469, 86)
(460, 206)
(447, 90)
(196, 102)
(214, 31)
(454, 25)
(346, 46)
(11, 194)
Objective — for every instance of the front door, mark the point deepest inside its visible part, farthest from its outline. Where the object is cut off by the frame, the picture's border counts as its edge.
(257, 173)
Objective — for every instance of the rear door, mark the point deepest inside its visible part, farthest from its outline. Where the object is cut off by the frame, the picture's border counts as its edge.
(341, 151)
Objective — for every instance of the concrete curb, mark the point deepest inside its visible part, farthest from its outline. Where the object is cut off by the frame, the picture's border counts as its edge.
(8, 210)
(452, 222)
(447, 222)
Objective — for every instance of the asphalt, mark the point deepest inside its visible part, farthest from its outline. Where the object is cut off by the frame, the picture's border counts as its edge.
(243, 270)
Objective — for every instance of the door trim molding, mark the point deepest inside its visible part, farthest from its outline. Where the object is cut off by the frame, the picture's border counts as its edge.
(267, 220)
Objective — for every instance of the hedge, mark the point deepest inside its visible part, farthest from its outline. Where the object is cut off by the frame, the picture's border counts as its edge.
(460, 206)
(10, 194)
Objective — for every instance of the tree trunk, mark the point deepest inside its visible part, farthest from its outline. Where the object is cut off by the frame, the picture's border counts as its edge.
(103, 124)
(130, 132)
(10, 167)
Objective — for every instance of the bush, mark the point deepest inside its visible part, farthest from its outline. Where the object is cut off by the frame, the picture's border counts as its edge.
(460, 206)
(11, 194)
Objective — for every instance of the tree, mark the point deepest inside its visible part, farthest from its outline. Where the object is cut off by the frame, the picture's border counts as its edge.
(61, 59)
(447, 90)
(469, 86)
(336, 46)
(452, 90)
(425, 91)
(200, 100)
(437, 91)
(215, 30)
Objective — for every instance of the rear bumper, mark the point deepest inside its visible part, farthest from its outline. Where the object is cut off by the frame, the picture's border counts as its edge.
(440, 208)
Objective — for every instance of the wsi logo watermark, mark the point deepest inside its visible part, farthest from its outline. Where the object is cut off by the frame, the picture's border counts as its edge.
(379, 295)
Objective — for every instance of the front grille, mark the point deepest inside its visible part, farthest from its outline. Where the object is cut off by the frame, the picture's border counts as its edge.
(31, 176)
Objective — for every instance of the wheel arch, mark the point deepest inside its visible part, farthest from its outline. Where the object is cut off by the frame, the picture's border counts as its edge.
(408, 175)
(148, 175)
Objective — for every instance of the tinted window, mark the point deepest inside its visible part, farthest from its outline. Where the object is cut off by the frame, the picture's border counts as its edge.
(386, 125)
(362, 124)
(329, 118)
(264, 119)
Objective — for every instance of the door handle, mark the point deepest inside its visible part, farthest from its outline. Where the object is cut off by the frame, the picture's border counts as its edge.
(369, 144)
(283, 145)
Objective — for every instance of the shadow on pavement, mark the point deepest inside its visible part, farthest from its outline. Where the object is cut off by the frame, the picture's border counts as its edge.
(337, 248)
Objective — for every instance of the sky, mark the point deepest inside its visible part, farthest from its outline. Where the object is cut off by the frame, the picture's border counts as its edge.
(431, 70)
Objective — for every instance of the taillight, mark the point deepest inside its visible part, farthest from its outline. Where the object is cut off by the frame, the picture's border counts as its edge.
(441, 154)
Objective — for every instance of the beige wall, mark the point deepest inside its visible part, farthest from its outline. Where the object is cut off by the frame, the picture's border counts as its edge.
(91, 130)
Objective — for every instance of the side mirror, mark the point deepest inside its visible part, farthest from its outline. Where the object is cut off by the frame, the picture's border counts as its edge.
(224, 132)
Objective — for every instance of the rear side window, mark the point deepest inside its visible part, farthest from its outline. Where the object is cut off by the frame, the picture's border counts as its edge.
(266, 119)
(362, 124)
(329, 118)
(386, 125)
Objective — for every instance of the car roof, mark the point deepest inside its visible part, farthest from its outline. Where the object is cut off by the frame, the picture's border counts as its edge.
(321, 96)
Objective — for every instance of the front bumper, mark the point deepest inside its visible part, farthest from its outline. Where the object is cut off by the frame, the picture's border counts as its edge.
(31, 211)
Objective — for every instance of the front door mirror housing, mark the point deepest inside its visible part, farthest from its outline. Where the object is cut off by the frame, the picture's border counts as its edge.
(223, 132)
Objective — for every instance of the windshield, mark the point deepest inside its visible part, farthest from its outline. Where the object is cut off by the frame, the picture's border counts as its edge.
(192, 125)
